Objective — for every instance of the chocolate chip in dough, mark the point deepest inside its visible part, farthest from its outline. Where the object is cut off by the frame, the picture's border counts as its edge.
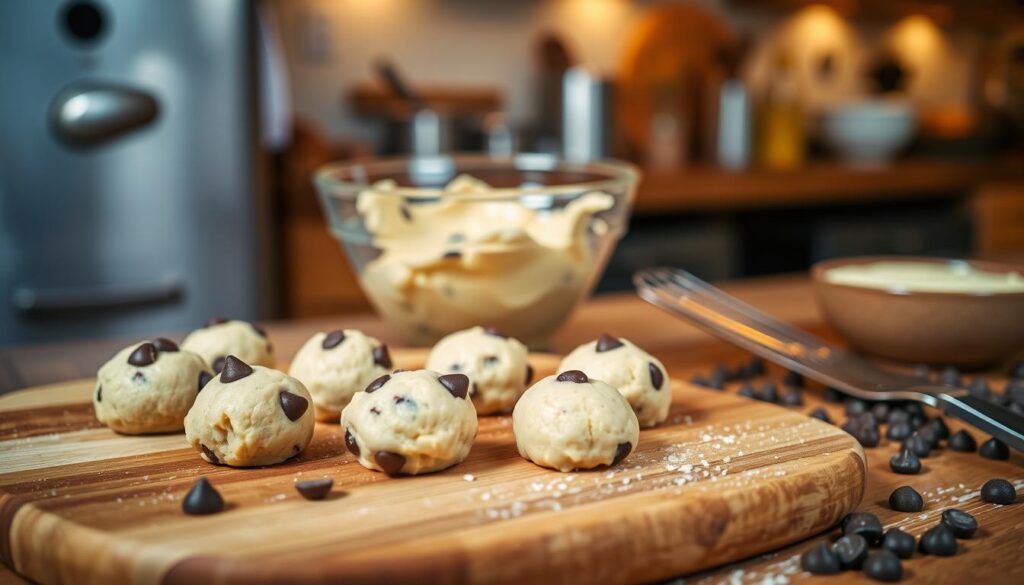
(961, 523)
(495, 332)
(657, 377)
(905, 462)
(202, 499)
(962, 441)
(490, 360)
(215, 321)
(99, 394)
(293, 405)
(390, 463)
(998, 491)
(621, 452)
(899, 542)
(864, 524)
(529, 374)
(204, 379)
(456, 384)
(821, 414)
(234, 370)
(333, 339)
(377, 384)
(820, 560)
(406, 214)
(851, 550)
(218, 365)
(314, 489)
(351, 444)
(143, 355)
(939, 541)
(994, 449)
(210, 455)
(381, 357)
(906, 499)
(607, 343)
(574, 376)
(164, 344)
(883, 565)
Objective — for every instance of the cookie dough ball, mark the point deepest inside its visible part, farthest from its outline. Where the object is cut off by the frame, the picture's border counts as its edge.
(636, 374)
(219, 339)
(250, 415)
(411, 422)
(149, 387)
(569, 422)
(497, 366)
(334, 366)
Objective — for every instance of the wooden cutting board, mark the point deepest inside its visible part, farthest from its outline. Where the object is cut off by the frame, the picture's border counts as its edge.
(724, 478)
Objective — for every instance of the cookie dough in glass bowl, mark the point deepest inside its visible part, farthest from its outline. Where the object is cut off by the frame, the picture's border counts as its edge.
(446, 243)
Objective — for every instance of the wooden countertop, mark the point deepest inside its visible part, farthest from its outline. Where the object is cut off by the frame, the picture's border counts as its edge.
(992, 556)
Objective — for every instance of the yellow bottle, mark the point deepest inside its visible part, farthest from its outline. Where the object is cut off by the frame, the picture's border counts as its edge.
(781, 142)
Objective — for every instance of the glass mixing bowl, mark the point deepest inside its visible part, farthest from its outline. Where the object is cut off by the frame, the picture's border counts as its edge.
(445, 243)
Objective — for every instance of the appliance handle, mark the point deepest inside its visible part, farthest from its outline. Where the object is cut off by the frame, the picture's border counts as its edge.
(91, 114)
(48, 301)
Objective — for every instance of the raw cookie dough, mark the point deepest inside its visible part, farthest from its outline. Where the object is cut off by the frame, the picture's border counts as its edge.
(250, 416)
(148, 387)
(638, 375)
(497, 366)
(464, 258)
(334, 366)
(219, 339)
(569, 422)
(411, 422)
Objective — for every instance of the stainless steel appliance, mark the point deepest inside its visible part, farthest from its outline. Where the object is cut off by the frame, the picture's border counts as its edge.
(129, 193)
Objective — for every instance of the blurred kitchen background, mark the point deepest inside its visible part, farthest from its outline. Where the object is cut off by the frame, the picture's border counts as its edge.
(155, 156)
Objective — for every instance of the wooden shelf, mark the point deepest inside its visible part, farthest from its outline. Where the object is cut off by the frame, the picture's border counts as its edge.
(707, 188)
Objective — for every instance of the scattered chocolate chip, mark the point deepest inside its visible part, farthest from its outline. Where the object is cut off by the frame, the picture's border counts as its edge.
(792, 398)
(939, 427)
(867, 436)
(939, 541)
(880, 410)
(333, 339)
(851, 550)
(998, 491)
(377, 384)
(529, 374)
(899, 431)
(821, 414)
(794, 379)
(203, 498)
(755, 366)
(961, 523)
(215, 321)
(234, 370)
(204, 379)
(883, 565)
(701, 380)
(621, 452)
(820, 560)
(747, 391)
(381, 357)
(994, 449)
(164, 344)
(899, 542)
(917, 445)
(768, 392)
(218, 365)
(456, 384)
(905, 462)
(922, 372)
(1017, 371)
(979, 388)
(490, 360)
(864, 524)
(721, 372)
(143, 355)
(495, 332)
(99, 394)
(854, 406)
(950, 376)
(717, 379)
(574, 376)
(210, 455)
(607, 343)
(962, 441)
(897, 415)
(390, 463)
(657, 377)
(351, 444)
(832, 395)
(314, 489)
(906, 499)
(293, 405)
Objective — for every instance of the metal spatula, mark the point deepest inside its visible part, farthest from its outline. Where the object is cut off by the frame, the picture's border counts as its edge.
(710, 309)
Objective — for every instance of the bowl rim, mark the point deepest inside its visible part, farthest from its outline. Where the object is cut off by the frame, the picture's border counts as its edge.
(622, 175)
(818, 270)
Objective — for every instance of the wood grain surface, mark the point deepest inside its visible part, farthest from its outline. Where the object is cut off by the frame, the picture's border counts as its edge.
(722, 479)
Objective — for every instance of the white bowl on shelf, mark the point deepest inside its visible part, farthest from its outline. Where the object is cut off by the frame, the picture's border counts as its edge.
(869, 133)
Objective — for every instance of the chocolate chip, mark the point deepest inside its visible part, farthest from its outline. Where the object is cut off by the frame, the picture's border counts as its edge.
(374, 411)
(390, 463)
(717, 380)
(905, 462)
(204, 379)
(405, 213)
(215, 321)
(456, 384)
(99, 394)
(164, 344)
(351, 444)
(203, 498)
(883, 565)
(998, 491)
(821, 414)
(950, 376)
(854, 406)
(864, 524)
(979, 388)
(333, 339)
(939, 427)
(851, 550)
(210, 455)
(917, 445)
(897, 415)
(607, 343)
(994, 449)
(377, 384)
(867, 436)
(820, 560)
(792, 398)
(143, 355)
(962, 441)
(657, 377)
(455, 368)
(769, 392)
(138, 377)
(795, 379)
(939, 541)
(490, 360)
(621, 452)
(452, 255)
(899, 430)
(880, 410)
(906, 499)
(832, 395)
(529, 374)
(381, 357)
(1017, 371)
(293, 405)
(314, 489)
(218, 365)
(495, 332)
(899, 542)
(922, 372)
(234, 370)
(259, 330)
(961, 523)
(747, 391)
(574, 376)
